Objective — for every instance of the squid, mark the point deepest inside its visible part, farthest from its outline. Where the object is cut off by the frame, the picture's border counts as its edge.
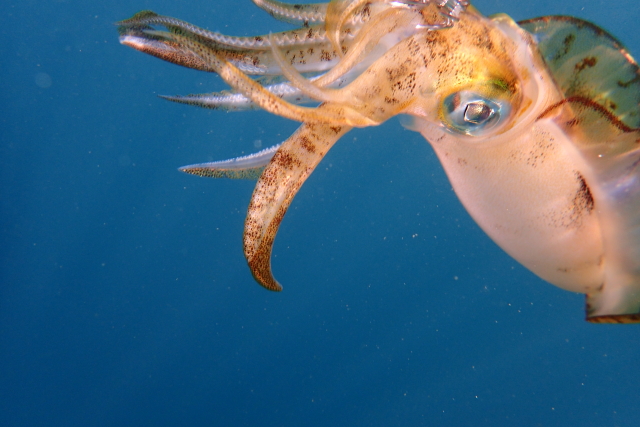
(536, 123)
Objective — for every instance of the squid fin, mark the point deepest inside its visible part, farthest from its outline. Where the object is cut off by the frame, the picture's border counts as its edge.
(590, 63)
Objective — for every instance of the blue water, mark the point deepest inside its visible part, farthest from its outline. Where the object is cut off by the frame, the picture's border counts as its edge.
(125, 299)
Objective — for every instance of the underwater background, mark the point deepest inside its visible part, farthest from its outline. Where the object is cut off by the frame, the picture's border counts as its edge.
(125, 299)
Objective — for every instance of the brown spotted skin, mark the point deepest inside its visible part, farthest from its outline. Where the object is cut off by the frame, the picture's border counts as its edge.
(294, 161)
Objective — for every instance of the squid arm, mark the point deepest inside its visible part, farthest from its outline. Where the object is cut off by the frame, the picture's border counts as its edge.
(233, 101)
(245, 167)
(297, 14)
(265, 99)
(309, 50)
(291, 165)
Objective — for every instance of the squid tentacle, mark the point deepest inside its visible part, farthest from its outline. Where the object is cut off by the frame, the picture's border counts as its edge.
(267, 100)
(244, 167)
(313, 55)
(300, 83)
(361, 51)
(340, 12)
(337, 13)
(297, 14)
(148, 18)
(291, 165)
(298, 36)
(232, 101)
(315, 13)
(157, 45)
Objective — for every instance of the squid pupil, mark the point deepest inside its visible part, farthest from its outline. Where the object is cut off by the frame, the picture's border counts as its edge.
(477, 112)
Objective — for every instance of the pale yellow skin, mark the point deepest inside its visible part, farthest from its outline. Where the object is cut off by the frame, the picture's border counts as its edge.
(534, 183)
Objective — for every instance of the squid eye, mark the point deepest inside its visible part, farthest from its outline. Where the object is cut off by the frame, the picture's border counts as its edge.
(478, 113)
(472, 114)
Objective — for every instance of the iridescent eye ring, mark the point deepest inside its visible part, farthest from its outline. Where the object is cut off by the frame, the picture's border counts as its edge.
(469, 113)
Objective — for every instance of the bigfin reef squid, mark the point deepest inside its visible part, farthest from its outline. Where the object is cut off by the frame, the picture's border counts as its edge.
(536, 123)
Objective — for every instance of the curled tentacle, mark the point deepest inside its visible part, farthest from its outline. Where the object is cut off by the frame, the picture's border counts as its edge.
(299, 82)
(383, 31)
(337, 13)
(340, 12)
(292, 164)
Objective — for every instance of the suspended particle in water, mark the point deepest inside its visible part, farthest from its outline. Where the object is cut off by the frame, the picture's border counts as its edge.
(43, 80)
